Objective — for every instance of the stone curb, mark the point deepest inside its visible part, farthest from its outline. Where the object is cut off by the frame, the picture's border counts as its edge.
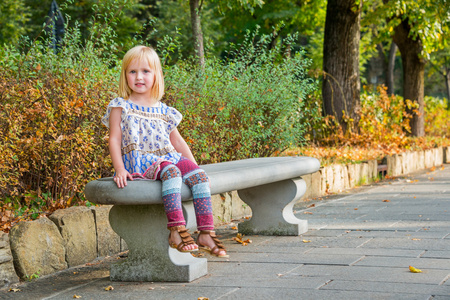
(85, 234)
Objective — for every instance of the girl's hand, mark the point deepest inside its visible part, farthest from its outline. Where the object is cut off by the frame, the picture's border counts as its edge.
(121, 178)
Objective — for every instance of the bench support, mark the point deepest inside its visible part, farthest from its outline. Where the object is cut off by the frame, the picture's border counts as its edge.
(143, 227)
(272, 208)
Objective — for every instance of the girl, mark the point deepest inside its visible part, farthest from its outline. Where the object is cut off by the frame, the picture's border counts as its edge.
(144, 143)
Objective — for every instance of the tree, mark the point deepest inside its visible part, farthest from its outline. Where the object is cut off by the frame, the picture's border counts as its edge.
(195, 10)
(415, 26)
(341, 85)
(413, 73)
(13, 16)
(197, 34)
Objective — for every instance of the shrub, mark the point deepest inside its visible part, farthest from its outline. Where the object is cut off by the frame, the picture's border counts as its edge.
(51, 137)
(437, 117)
(249, 105)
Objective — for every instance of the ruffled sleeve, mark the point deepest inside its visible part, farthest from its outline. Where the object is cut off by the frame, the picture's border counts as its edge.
(117, 102)
(175, 117)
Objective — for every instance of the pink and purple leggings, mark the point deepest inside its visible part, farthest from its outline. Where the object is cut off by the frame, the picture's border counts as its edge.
(196, 179)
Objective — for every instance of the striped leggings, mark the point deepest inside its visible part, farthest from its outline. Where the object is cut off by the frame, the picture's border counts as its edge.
(196, 179)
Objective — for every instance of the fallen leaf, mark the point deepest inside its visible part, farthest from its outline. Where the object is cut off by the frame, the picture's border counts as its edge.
(355, 209)
(416, 239)
(234, 228)
(311, 205)
(14, 290)
(239, 239)
(306, 241)
(433, 169)
(307, 213)
(414, 270)
(109, 288)
(386, 200)
(76, 296)
(202, 298)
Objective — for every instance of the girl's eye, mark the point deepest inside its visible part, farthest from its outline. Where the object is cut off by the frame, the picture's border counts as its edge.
(132, 72)
(147, 71)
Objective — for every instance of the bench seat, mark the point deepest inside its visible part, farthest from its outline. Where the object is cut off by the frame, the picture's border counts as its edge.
(270, 186)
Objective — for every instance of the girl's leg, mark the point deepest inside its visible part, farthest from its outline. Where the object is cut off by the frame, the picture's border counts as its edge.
(170, 177)
(171, 180)
(197, 180)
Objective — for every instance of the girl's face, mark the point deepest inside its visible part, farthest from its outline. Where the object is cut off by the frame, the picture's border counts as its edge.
(140, 77)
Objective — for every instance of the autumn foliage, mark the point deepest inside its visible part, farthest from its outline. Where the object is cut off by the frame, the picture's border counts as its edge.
(258, 102)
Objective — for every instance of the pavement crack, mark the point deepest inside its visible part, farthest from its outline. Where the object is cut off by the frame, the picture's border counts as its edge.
(364, 243)
(444, 280)
(71, 288)
(229, 292)
(325, 284)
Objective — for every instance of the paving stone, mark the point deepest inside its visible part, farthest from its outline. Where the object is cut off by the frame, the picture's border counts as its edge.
(326, 259)
(374, 274)
(437, 254)
(369, 251)
(399, 234)
(297, 293)
(398, 243)
(400, 262)
(397, 288)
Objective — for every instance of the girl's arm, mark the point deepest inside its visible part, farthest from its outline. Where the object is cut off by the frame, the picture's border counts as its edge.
(115, 145)
(180, 145)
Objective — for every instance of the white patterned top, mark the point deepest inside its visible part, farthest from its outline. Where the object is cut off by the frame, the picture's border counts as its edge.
(145, 136)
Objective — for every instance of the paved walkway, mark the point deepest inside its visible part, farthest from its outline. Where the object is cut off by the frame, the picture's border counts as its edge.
(359, 246)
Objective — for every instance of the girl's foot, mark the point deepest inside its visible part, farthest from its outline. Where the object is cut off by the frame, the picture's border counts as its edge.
(208, 241)
(180, 239)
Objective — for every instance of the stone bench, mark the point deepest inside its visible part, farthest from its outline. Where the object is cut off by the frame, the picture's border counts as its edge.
(270, 186)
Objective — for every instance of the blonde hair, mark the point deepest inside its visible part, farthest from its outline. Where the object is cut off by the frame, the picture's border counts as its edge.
(142, 53)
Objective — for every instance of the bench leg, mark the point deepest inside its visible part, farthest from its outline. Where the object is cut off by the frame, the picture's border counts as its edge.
(143, 227)
(272, 208)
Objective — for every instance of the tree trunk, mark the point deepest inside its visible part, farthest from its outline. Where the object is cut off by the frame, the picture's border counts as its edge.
(341, 86)
(390, 69)
(447, 85)
(197, 31)
(413, 74)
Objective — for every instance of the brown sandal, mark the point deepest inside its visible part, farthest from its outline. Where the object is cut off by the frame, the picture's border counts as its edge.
(186, 239)
(218, 245)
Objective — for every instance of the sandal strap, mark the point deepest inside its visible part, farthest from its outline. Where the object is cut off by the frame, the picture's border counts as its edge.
(186, 238)
(215, 238)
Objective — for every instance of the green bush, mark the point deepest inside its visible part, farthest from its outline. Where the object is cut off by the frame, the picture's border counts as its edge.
(250, 105)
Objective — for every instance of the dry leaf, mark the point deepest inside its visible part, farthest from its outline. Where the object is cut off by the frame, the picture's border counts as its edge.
(109, 288)
(355, 209)
(76, 296)
(307, 213)
(234, 228)
(414, 270)
(433, 169)
(311, 205)
(239, 239)
(202, 298)
(306, 241)
(14, 290)
(386, 200)
(416, 239)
